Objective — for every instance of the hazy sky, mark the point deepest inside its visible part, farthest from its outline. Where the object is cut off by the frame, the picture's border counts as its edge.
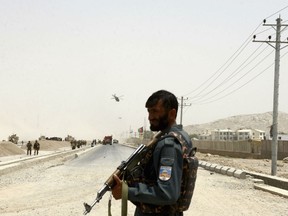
(61, 61)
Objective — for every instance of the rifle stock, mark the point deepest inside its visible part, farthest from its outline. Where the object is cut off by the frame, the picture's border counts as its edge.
(132, 161)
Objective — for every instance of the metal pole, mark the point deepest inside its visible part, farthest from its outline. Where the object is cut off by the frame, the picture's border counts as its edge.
(181, 106)
(275, 100)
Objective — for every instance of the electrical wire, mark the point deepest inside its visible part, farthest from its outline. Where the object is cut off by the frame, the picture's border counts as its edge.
(243, 84)
(231, 85)
(236, 88)
(277, 12)
(206, 84)
(236, 72)
(231, 60)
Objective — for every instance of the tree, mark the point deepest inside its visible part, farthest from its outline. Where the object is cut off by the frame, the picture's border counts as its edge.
(69, 138)
(194, 136)
(42, 137)
(13, 138)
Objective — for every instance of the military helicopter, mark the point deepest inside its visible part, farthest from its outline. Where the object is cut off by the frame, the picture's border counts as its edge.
(116, 98)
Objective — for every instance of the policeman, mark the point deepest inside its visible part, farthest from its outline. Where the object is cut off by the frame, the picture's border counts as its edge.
(29, 148)
(36, 147)
(160, 188)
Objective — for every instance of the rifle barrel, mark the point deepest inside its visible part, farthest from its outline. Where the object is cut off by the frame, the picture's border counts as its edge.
(100, 194)
(119, 171)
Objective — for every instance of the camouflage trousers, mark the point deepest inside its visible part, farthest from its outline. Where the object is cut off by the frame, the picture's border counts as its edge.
(139, 213)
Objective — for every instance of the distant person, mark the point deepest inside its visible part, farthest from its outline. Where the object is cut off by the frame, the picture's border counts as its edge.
(29, 148)
(36, 147)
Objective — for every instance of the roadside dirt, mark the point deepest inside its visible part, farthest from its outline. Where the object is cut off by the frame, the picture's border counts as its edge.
(10, 149)
(254, 165)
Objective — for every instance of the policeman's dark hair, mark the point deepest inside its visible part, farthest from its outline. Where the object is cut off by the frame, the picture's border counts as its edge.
(169, 100)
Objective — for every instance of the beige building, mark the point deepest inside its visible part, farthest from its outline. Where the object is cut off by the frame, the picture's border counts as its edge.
(205, 136)
(258, 134)
(223, 135)
(230, 135)
(244, 134)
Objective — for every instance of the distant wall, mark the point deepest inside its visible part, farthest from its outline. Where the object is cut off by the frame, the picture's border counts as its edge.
(282, 149)
(243, 149)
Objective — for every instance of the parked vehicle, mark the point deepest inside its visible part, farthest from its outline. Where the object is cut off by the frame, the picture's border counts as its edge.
(107, 140)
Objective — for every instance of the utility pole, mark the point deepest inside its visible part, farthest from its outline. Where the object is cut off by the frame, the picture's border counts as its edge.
(181, 108)
(277, 47)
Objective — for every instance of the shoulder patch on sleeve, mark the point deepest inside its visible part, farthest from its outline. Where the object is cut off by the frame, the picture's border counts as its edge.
(165, 173)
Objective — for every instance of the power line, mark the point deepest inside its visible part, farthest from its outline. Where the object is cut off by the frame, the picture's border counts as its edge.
(230, 60)
(235, 72)
(238, 88)
(274, 126)
(233, 91)
(212, 79)
(240, 68)
(277, 12)
(204, 86)
(205, 100)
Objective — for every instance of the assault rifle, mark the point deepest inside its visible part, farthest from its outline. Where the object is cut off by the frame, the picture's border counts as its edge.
(127, 165)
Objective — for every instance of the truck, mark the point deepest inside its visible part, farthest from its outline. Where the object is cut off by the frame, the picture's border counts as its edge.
(107, 140)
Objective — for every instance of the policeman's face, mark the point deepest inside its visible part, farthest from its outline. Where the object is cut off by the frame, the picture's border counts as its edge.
(158, 117)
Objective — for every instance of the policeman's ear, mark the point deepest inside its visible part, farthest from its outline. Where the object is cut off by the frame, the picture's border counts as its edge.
(172, 114)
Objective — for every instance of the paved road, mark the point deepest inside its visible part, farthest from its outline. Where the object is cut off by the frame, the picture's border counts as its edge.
(216, 194)
(59, 188)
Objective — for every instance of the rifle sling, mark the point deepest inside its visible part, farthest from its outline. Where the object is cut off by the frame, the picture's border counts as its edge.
(109, 205)
(124, 207)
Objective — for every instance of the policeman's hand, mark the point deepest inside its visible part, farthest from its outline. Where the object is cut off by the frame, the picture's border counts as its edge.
(117, 189)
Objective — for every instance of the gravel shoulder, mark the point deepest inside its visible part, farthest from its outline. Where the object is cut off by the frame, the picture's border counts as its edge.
(254, 165)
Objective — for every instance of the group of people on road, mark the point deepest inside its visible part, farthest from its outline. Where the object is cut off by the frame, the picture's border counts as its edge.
(36, 147)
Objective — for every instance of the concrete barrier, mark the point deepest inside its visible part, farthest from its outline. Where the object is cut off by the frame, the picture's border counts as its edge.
(230, 171)
(212, 167)
(271, 180)
(261, 181)
(240, 174)
(207, 166)
(224, 170)
(218, 168)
